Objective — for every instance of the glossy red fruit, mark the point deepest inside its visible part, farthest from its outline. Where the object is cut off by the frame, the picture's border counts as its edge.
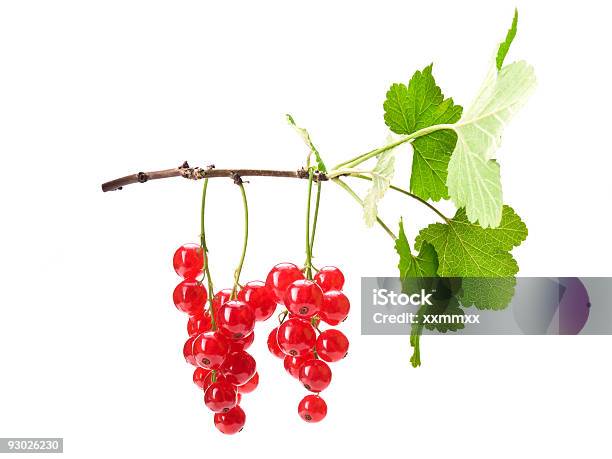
(231, 422)
(188, 351)
(314, 321)
(208, 380)
(303, 298)
(190, 297)
(315, 375)
(221, 297)
(312, 408)
(273, 345)
(199, 324)
(188, 261)
(241, 344)
(329, 278)
(199, 377)
(235, 319)
(281, 276)
(250, 385)
(332, 345)
(220, 397)
(296, 337)
(210, 350)
(260, 298)
(294, 364)
(239, 367)
(335, 307)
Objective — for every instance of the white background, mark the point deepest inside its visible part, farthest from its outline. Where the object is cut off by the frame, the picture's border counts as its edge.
(90, 343)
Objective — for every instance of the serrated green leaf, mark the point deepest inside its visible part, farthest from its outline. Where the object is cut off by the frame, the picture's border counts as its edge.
(306, 137)
(419, 105)
(487, 292)
(504, 46)
(468, 250)
(425, 264)
(381, 179)
(473, 180)
(449, 307)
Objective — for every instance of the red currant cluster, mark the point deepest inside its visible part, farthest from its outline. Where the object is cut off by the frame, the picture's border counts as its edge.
(220, 334)
(305, 355)
(218, 341)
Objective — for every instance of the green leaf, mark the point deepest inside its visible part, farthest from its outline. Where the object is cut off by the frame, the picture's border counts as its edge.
(504, 46)
(425, 264)
(422, 104)
(306, 137)
(381, 179)
(487, 292)
(448, 307)
(468, 250)
(415, 271)
(473, 178)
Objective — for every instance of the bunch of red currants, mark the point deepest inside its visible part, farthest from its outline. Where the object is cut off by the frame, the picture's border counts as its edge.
(305, 350)
(220, 335)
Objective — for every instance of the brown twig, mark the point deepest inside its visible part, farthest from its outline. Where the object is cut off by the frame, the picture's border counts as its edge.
(197, 173)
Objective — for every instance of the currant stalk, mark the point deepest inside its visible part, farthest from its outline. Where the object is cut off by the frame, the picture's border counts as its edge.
(373, 153)
(350, 191)
(245, 206)
(207, 264)
(407, 193)
(315, 218)
(308, 263)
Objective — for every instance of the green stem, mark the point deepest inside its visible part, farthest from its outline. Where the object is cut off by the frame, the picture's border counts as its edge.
(308, 263)
(350, 191)
(316, 217)
(407, 193)
(207, 257)
(245, 239)
(415, 339)
(371, 154)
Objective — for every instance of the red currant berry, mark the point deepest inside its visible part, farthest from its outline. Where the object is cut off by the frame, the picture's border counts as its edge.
(242, 344)
(188, 351)
(303, 298)
(273, 345)
(332, 345)
(296, 337)
(312, 408)
(210, 350)
(335, 307)
(188, 261)
(315, 375)
(199, 377)
(239, 367)
(209, 379)
(294, 364)
(190, 297)
(231, 422)
(329, 278)
(221, 297)
(235, 319)
(281, 276)
(199, 324)
(220, 397)
(250, 385)
(260, 298)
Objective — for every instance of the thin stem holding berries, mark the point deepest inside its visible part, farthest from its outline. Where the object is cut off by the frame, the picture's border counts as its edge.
(315, 218)
(245, 205)
(206, 255)
(308, 263)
